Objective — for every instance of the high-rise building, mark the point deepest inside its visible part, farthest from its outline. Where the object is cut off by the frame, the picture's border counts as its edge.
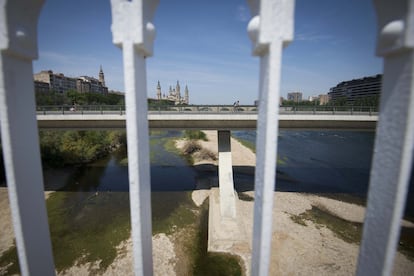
(352, 90)
(295, 96)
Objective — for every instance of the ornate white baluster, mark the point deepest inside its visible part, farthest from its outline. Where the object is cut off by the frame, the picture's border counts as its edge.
(133, 31)
(270, 29)
(394, 142)
(18, 46)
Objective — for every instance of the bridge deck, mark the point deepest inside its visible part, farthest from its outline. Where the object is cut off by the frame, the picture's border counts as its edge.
(208, 121)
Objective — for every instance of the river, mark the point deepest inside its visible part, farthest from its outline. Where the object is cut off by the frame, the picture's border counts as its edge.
(308, 161)
(93, 202)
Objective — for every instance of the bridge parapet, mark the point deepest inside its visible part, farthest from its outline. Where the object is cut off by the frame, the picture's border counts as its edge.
(204, 109)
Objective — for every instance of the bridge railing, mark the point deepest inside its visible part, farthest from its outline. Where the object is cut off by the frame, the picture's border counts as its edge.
(222, 109)
(271, 29)
(329, 109)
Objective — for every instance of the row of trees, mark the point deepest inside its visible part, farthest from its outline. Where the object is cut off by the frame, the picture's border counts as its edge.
(372, 101)
(72, 96)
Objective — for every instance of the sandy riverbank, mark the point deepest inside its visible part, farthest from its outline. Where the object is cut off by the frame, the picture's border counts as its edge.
(310, 249)
(297, 249)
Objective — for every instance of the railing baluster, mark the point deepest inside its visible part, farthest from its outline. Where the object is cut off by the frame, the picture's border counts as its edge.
(133, 31)
(270, 29)
(394, 143)
(18, 47)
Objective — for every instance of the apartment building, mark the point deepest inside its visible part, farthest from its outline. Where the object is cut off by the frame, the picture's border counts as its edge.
(355, 89)
(60, 83)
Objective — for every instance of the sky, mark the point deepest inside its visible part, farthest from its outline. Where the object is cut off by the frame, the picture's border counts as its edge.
(204, 44)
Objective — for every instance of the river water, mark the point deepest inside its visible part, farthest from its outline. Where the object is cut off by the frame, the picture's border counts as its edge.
(308, 161)
(322, 161)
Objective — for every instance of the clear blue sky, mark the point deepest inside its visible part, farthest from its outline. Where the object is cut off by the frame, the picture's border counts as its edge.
(204, 45)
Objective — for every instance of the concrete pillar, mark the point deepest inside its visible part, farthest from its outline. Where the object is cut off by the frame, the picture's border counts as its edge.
(225, 170)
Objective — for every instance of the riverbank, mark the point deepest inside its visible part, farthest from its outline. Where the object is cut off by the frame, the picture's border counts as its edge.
(312, 234)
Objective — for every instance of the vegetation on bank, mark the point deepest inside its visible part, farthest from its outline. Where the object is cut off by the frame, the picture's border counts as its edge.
(194, 135)
(192, 149)
(65, 148)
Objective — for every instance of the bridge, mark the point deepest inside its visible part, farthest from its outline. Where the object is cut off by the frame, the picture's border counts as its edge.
(208, 117)
(220, 118)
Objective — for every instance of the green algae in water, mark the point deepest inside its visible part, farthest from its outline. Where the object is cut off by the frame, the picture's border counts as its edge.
(349, 231)
(87, 227)
(245, 197)
(171, 210)
(344, 229)
(84, 227)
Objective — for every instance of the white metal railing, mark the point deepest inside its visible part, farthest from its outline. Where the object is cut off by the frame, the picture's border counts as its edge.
(271, 28)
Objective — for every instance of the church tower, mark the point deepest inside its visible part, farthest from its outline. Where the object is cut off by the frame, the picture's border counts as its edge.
(177, 89)
(159, 91)
(186, 95)
(101, 76)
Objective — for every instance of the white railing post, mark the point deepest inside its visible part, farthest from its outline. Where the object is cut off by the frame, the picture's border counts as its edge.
(133, 31)
(394, 143)
(18, 46)
(270, 29)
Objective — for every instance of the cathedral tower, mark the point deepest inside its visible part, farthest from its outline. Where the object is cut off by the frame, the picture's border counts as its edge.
(159, 91)
(177, 90)
(101, 76)
(186, 96)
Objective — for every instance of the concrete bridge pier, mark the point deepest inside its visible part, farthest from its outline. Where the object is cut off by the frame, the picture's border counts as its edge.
(227, 231)
(225, 171)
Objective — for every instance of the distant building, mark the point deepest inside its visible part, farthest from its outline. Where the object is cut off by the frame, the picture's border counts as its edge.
(295, 96)
(352, 90)
(61, 83)
(57, 82)
(101, 76)
(323, 99)
(174, 95)
(41, 87)
(313, 98)
(85, 84)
